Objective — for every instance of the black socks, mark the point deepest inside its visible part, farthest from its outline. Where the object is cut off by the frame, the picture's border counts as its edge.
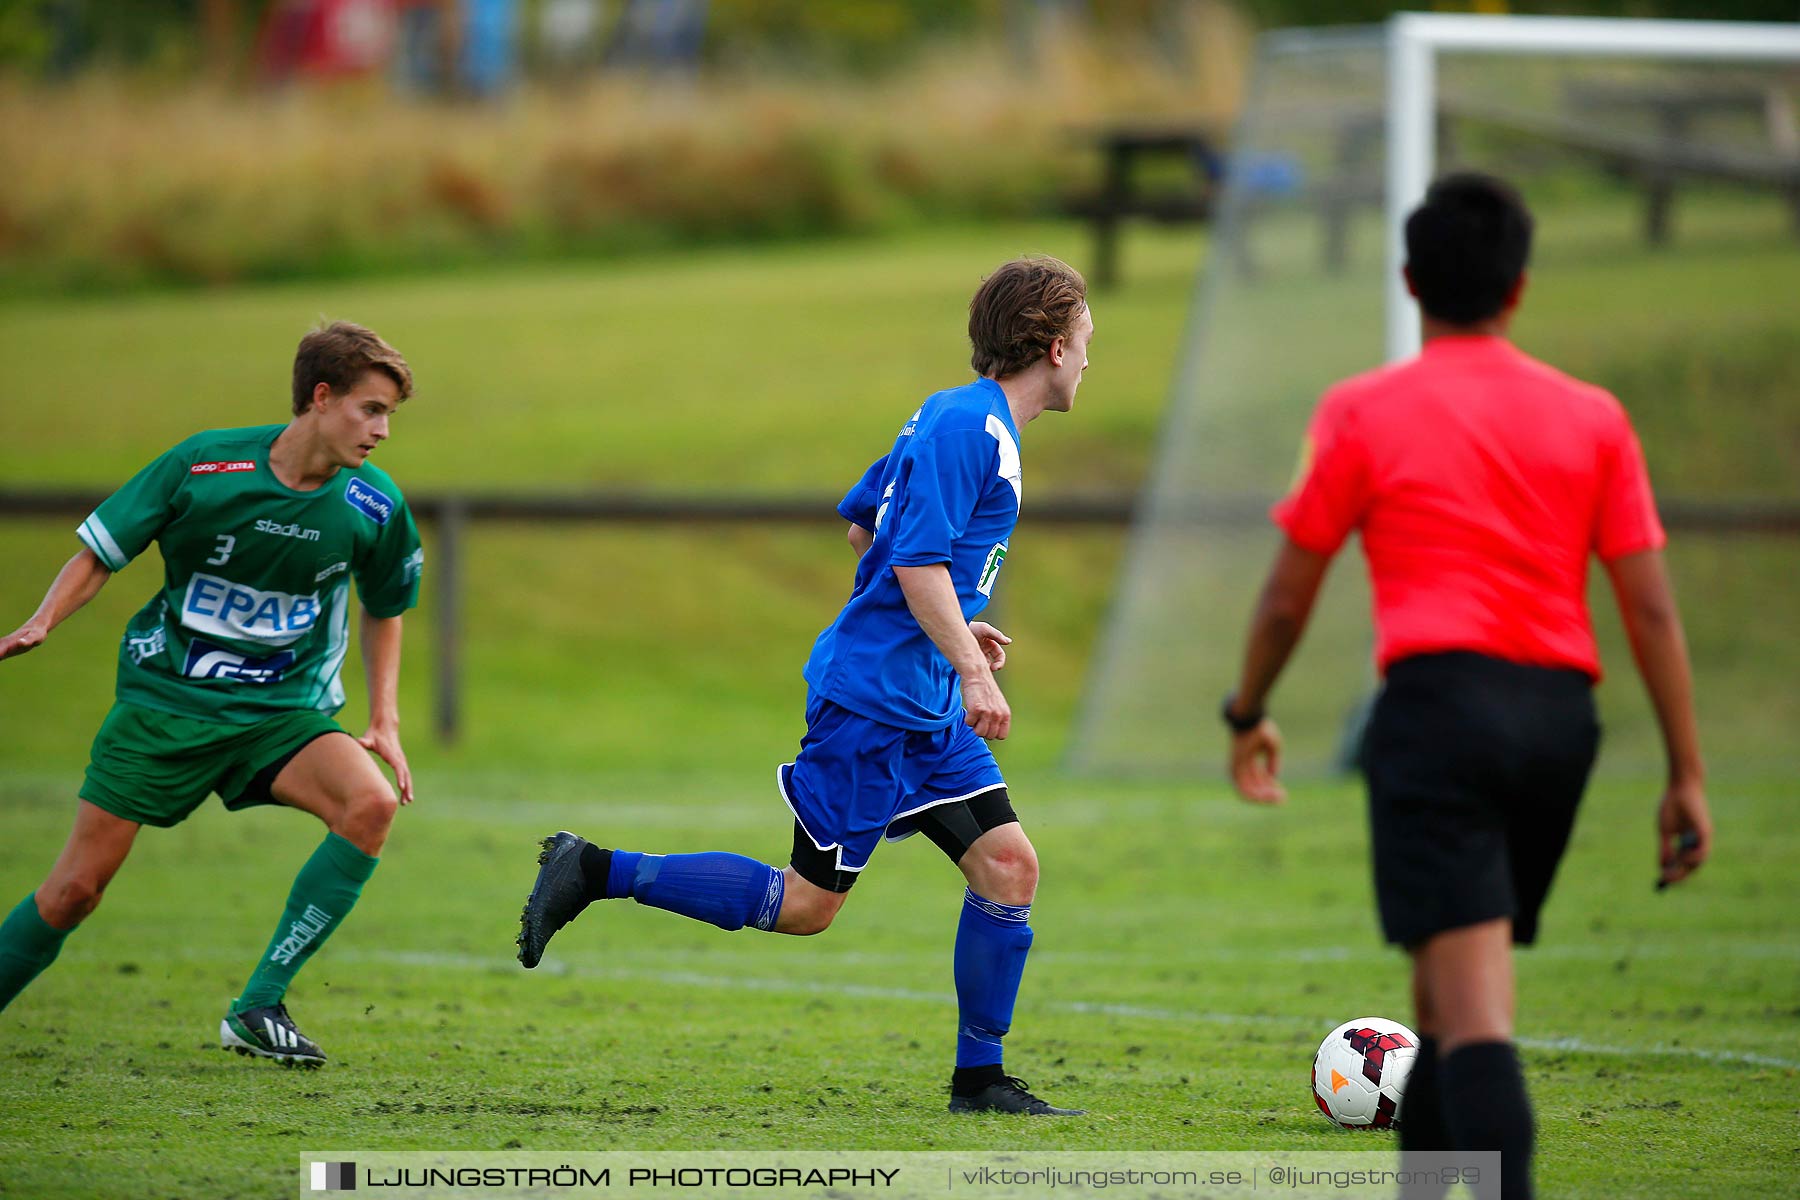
(1422, 1125)
(1485, 1108)
(1471, 1099)
(596, 864)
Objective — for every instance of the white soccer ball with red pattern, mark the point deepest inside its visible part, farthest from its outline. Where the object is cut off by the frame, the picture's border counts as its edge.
(1359, 1074)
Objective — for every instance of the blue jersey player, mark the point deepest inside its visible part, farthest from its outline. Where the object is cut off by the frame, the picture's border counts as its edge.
(901, 694)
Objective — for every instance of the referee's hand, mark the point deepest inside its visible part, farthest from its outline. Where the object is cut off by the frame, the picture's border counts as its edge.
(1256, 763)
(1683, 832)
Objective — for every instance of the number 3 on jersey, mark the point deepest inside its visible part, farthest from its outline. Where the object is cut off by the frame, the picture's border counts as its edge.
(222, 551)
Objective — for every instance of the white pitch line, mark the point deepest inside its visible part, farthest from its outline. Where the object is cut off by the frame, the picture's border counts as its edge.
(1580, 1046)
(469, 962)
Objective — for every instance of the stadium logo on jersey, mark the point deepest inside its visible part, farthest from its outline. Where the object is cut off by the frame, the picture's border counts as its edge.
(225, 609)
(222, 468)
(293, 531)
(207, 661)
(990, 570)
(145, 645)
(370, 502)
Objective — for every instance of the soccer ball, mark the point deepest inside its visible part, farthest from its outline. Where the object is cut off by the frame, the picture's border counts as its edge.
(1359, 1074)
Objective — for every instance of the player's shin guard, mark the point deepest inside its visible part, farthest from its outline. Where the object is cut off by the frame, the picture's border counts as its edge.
(727, 890)
(1422, 1128)
(1486, 1108)
(991, 943)
(322, 896)
(28, 944)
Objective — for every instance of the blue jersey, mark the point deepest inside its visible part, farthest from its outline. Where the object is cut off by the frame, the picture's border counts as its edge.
(948, 492)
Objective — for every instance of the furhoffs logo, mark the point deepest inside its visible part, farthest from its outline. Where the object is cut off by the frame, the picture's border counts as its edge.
(334, 1177)
(370, 502)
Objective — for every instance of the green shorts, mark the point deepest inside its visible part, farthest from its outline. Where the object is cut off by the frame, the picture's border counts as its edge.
(155, 767)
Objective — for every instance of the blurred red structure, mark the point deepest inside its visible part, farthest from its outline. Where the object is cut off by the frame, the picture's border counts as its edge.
(327, 38)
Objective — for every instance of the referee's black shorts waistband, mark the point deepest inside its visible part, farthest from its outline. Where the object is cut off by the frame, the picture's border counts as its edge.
(1466, 666)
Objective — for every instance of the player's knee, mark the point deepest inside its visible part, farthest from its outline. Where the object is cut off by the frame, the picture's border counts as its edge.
(804, 914)
(66, 902)
(1006, 874)
(812, 922)
(817, 917)
(366, 818)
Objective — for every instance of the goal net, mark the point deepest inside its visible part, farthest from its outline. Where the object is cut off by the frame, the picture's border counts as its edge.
(1662, 160)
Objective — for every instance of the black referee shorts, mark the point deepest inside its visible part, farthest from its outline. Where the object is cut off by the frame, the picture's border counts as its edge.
(1475, 769)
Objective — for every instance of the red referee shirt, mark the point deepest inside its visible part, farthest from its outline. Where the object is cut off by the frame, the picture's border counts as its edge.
(1481, 480)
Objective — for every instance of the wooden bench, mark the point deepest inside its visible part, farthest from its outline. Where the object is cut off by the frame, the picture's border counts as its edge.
(1120, 197)
(1661, 159)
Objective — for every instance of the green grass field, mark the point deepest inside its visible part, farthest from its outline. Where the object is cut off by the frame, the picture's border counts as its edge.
(1191, 951)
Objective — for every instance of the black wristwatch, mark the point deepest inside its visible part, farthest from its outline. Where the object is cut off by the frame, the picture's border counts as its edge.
(1239, 724)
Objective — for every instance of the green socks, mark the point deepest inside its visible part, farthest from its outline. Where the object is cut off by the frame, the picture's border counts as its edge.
(323, 894)
(27, 945)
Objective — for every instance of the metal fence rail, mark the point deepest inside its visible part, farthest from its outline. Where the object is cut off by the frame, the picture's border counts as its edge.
(449, 515)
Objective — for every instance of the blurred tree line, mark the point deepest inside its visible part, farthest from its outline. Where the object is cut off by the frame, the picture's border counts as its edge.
(59, 37)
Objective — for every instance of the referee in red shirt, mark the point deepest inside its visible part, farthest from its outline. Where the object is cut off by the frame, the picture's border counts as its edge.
(1480, 480)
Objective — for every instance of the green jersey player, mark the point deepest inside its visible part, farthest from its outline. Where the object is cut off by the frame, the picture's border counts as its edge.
(228, 677)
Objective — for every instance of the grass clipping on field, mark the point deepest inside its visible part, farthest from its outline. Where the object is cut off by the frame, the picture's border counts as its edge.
(121, 180)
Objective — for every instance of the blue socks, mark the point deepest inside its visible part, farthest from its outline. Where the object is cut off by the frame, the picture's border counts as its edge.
(727, 890)
(28, 944)
(991, 943)
(731, 891)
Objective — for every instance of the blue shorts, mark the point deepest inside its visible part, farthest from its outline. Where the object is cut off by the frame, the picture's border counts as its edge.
(859, 781)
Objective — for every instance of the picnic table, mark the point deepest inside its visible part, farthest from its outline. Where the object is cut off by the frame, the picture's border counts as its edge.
(1122, 148)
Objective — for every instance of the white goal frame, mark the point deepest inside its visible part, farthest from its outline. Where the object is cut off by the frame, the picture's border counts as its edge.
(1402, 57)
(1414, 41)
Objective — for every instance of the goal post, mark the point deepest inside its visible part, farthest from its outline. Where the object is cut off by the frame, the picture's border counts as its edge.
(1602, 122)
(1414, 41)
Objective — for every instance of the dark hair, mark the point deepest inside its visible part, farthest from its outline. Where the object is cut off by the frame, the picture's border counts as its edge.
(339, 355)
(1466, 247)
(1019, 310)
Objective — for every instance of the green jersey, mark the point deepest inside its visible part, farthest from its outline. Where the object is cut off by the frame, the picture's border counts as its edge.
(253, 616)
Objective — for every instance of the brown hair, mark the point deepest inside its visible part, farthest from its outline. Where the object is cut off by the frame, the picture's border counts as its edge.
(338, 355)
(1019, 310)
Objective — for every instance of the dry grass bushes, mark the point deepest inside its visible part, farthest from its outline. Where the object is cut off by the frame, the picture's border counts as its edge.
(113, 180)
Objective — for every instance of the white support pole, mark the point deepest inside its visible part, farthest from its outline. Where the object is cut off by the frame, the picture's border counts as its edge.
(1413, 42)
(1411, 151)
(1608, 37)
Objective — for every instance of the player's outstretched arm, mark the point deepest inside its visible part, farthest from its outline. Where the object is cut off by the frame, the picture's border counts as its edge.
(79, 581)
(381, 663)
(1275, 628)
(1653, 625)
(932, 598)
